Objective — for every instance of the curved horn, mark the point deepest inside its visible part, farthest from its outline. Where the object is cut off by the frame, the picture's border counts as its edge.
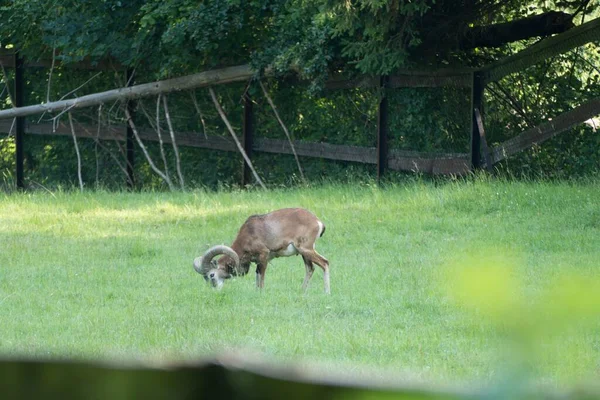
(202, 264)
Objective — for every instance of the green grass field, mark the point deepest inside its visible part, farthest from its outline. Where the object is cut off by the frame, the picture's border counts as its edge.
(434, 282)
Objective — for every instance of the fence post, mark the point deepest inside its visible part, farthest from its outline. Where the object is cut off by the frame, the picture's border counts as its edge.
(130, 137)
(20, 126)
(247, 137)
(484, 147)
(477, 88)
(382, 129)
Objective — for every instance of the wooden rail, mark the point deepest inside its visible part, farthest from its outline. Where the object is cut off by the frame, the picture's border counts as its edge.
(433, 163)
(454, 77)
(547, 48)
(546, 130)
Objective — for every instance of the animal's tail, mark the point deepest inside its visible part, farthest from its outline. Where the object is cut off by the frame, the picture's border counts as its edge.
(323, 231)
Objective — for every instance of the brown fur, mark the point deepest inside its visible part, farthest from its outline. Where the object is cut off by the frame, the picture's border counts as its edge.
(264, 237)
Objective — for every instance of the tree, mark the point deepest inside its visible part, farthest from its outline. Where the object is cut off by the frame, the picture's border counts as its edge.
(312, 37)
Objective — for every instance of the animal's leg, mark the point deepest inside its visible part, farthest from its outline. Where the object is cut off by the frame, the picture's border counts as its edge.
(260, 277)
(321, 261)
(261, 268)
(310, 268)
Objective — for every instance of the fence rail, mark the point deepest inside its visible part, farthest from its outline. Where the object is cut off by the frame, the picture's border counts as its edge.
(455, 77)
(547, 48)
(546, 131)
(433, 163)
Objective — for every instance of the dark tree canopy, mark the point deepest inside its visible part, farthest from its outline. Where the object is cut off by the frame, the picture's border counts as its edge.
(314, 38)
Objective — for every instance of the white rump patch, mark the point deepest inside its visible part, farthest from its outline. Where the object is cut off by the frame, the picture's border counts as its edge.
(320, 229)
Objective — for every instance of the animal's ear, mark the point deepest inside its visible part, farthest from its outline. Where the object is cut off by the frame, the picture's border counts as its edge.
(214, 263)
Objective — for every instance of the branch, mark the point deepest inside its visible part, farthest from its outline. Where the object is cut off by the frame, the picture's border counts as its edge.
(193, 94)
(287, 134)
(237, 142)
(145, 151)
(80, 86)
(156, 127)
(98, 142)
(68, 108)
(582, 7)
(5, 79)
(175, 149)
(77, 151)
(50, 75)
(160, 141)
(12, 102)
(514, 103)
(203, 79)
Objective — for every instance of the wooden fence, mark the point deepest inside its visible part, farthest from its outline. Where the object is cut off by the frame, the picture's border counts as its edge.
(381, 156)
(433, 163)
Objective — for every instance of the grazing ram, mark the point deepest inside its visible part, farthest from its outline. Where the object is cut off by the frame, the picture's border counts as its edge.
(281, 233)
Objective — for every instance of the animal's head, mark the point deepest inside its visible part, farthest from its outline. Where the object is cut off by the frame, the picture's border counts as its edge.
(215, 272)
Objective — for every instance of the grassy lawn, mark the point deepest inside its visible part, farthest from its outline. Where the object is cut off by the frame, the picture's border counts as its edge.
(109, 276)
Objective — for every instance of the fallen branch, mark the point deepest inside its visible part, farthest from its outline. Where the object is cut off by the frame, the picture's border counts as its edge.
(287, 134)
(237, 142)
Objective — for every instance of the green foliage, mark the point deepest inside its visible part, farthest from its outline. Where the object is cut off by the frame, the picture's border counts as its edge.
(376, 34)
(536, 95)
(430, 120)
(7, 162)
(315, 39)
(76, 29)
